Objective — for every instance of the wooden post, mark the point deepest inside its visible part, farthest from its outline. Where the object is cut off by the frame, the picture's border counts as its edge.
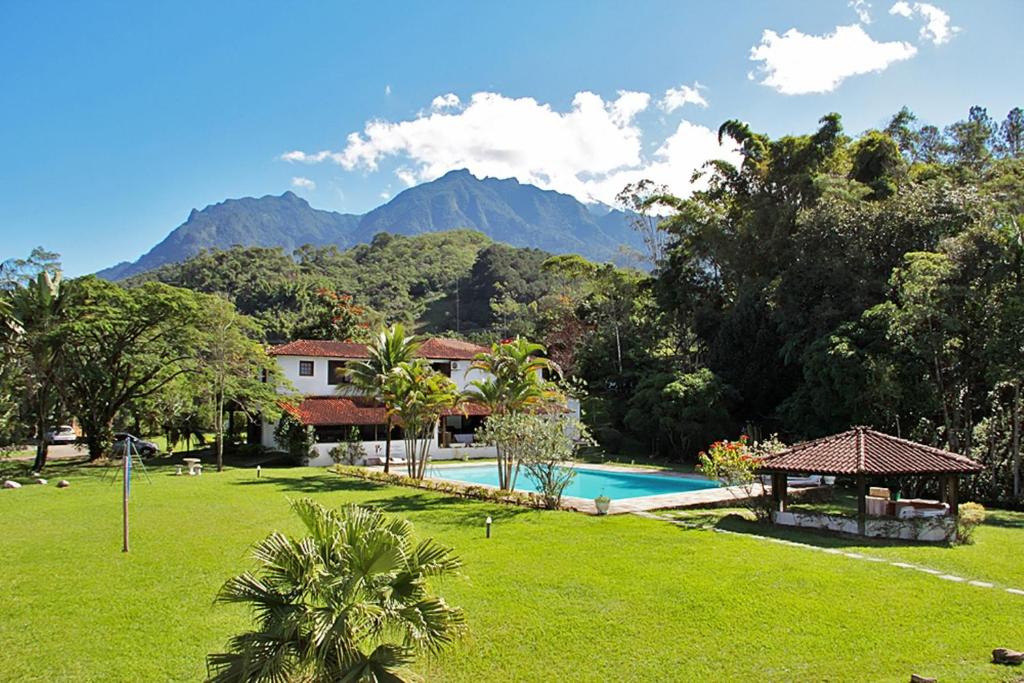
(783, 491)
(862, 504)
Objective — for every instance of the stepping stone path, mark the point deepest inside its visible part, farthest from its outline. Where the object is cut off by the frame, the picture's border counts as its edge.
(835, 551)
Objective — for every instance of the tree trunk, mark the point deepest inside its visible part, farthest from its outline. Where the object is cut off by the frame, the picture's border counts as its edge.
(387, 445)
(618, 347)
(219, 421)
(1016, 440)
(41, 445)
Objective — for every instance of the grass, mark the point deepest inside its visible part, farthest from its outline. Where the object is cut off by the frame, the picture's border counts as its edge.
(551, 596)
(995, 555)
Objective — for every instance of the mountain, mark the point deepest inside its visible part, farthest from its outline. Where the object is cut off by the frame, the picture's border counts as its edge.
(287, 221)
(505, 210)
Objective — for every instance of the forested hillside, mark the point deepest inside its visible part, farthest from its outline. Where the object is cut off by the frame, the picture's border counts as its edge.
(454, 281)
(828, 280)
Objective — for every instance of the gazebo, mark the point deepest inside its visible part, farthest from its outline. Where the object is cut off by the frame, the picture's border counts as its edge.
(863, 454)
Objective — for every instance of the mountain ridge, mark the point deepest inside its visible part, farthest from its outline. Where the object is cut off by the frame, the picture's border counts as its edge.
(506, 210)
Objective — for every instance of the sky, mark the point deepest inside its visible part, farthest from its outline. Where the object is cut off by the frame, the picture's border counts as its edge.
(118, 118)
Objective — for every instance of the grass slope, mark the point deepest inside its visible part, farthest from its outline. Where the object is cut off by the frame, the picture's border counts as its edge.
(552, 596)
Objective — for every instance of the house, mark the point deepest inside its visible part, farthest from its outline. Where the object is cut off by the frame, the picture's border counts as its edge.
(317, 370)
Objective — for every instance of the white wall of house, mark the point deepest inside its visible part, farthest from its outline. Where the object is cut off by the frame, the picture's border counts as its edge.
(375, 449)
(317, 384)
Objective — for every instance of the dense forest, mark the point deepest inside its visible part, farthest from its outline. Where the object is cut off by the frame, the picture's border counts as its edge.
(827, 280)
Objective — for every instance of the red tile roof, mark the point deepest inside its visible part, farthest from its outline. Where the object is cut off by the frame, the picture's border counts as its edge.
(321, 411)
(441, 348)
(436, 348)
(332, 410)
(865, 451)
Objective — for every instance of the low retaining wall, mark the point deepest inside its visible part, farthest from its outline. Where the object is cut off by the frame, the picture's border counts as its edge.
(928, 529)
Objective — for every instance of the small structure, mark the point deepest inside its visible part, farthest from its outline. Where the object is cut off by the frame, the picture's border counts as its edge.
(865, 454)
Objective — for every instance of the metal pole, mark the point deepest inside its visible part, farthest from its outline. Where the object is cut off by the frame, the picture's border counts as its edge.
(124, 489)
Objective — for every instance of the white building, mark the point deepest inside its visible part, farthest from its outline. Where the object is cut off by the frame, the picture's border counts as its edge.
(317, 370)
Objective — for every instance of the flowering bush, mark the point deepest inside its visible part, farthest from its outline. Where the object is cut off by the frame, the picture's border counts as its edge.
(734, 464)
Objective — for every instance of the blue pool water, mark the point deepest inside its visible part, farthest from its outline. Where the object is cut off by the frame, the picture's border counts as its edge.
(588, 483)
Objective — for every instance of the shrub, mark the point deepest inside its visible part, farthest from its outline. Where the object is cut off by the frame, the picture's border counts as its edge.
(351, 452)
(971, 515)
(452, 488)
(323, 611)
(298, 440)
(735, 464)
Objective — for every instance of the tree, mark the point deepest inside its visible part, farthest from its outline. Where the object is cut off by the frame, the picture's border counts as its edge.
(299, 440)
(1011, 134)
(544, 444)
(125, 345)
(417, 395)
(233, 367)
(513, 382)
(10, 330)
(641, 200)
(38, 309)
(389, 349)
(350, 601)
(335, 316)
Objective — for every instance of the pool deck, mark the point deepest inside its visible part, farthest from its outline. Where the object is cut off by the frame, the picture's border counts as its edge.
(682, 499)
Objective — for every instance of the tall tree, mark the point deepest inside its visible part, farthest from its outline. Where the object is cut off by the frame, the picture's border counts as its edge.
(512, 382)
(387, 351)
(233, 367)
(40, 307)
(417, 395)
(127, 344)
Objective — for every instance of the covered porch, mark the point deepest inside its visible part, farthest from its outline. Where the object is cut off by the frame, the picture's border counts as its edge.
(869, 457)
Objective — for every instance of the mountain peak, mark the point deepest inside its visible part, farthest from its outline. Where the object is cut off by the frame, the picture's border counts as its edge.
(505, 210)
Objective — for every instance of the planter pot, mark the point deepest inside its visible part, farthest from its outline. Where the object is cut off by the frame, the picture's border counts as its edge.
(602, 505)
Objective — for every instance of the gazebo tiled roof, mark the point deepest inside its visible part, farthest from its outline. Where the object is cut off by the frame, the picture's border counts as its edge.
(863, 451)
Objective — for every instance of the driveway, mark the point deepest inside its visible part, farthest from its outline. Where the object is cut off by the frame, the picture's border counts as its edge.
(59, 451)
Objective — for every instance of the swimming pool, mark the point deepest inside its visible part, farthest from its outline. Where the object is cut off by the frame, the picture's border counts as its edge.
(588, 483)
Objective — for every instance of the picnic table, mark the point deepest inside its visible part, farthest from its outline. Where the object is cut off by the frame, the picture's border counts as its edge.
(195, 465)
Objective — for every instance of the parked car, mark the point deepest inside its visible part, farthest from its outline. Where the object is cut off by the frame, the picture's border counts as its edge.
(141, 446)
(62, 434)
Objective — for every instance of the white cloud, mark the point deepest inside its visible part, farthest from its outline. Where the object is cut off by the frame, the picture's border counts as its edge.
(936, 27)
(675, 98)
(442, 102)
(862, 9)
(796, 63)
(387, 89)
(298, 156)
(303, 183)
(590, 151)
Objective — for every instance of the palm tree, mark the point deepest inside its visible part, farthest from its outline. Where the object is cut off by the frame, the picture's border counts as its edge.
(38, 307)
(391, 348)
(418, 396)
(349, 602)
(513, 382)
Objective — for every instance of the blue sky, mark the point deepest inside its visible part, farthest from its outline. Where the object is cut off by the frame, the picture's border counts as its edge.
(118, 118)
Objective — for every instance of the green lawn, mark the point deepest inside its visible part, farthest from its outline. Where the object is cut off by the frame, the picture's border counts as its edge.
(552, 596)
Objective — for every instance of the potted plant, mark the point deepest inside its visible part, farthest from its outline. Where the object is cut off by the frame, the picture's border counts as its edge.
(602, 503)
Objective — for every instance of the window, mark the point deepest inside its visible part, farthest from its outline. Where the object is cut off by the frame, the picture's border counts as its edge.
(445, 368)
(341, 433)
(337, 372)
(305, 368)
